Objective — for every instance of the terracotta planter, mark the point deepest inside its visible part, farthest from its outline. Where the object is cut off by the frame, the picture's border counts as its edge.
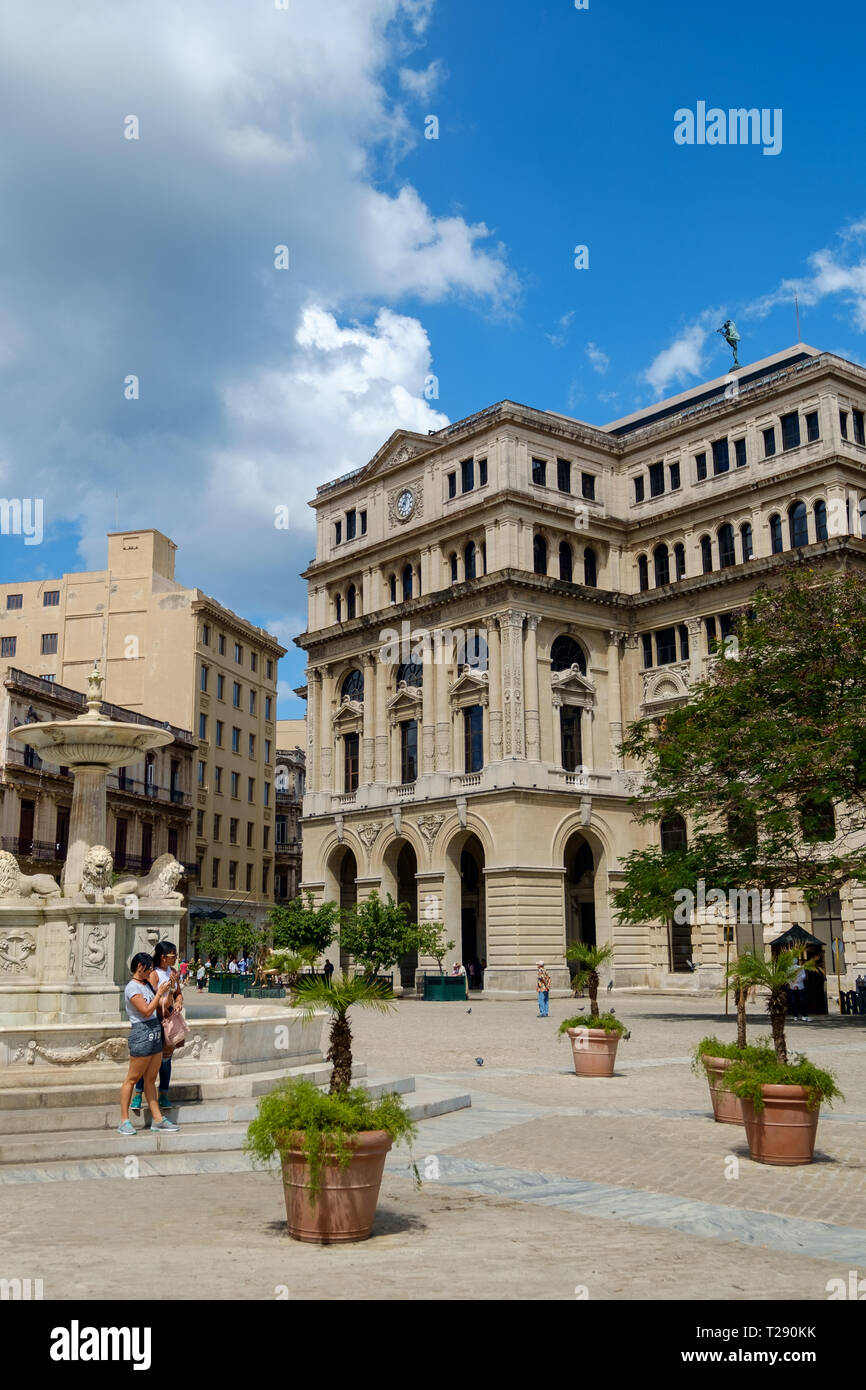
(594, 1051)
(727, 1108)
(783, 1133)
(346, 1204)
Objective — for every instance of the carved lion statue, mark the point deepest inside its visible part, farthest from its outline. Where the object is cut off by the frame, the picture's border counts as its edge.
(160, 884)
(96, 874)
(14, 884)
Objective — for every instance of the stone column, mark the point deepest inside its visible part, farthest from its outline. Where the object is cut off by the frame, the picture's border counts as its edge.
(383, 672)
(368, 736)
(86, 823)
(326, 732)
(614, 645)
(428, 712)
(695, 629)
(494, 678)
(530, 661)
(511, 627)
(314, 699)
(443, 717)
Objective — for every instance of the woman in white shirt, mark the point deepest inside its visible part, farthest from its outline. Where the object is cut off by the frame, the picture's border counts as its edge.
(163, 973)
(145, 1042)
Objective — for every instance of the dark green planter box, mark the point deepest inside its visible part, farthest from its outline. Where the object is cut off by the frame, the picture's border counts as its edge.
(225, 982)
(445, 987)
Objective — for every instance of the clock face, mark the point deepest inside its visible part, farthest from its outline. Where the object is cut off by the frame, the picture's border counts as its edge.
(405, 503)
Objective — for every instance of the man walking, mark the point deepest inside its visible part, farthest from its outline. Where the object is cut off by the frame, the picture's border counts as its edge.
(543, 990)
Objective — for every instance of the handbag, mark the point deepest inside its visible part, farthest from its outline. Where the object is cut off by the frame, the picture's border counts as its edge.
(174, 1029)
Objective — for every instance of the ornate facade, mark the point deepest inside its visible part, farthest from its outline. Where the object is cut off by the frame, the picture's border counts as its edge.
(491, 605)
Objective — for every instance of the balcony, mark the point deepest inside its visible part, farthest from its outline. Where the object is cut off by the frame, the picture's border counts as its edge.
(135, 786)
(47, 851)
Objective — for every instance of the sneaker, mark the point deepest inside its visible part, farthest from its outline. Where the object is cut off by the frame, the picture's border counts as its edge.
(127, 1127)
(166, 1125)
(164, 1102)
(135, 1104)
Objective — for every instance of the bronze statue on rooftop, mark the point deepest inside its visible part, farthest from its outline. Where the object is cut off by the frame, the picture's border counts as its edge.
(731, 337)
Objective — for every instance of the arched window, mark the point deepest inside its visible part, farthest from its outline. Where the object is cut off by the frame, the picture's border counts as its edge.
(820, 510)
(338, 608)
(776, 545)
(727, 553)
(566, 653)
(407, 582)
(454, 567)
(353, 687)
(661, 565)
(746, 541)
(590, 568)
(673, 834)
(392, 588)
(798, 525)
(706, 555)
(680, 560)
(565, 566)
(469, 561)
(642, 573)
(412, 672)
(351, 599)
(539, 555)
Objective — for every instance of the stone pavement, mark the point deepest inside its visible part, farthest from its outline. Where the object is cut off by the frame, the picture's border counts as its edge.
(551, 1183)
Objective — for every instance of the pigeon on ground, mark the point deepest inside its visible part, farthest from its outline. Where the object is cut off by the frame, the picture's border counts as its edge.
(469, 1011)
(479, 1061)
(609, 986)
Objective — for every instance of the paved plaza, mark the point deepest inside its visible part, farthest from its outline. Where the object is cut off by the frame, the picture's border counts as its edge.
(550, 1187)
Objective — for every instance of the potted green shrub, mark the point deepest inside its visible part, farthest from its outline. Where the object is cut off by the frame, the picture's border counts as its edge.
(714, 1058)
(595, 1038)
(780, 1099)
(332, 1148)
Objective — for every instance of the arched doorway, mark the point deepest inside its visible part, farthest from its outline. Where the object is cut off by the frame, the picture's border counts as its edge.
(399, 878)
(466, 898)
(580, 867)
(344, 866)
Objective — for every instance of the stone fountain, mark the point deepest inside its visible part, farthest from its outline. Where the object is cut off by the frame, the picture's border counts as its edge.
(65, 948)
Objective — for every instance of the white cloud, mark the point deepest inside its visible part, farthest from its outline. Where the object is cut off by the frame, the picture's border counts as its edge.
(830, 274)
(683, 359)
(600, 360)
(560, 338)
(421, 83)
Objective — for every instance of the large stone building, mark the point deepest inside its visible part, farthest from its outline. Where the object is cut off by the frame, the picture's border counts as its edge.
(177, 655)
(589, 570)
(289, 784)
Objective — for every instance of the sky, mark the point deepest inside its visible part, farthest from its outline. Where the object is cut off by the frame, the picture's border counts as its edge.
(428, 168)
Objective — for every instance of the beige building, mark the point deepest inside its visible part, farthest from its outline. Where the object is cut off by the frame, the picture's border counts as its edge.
(492, 604)
(180, 656)
(289, 780)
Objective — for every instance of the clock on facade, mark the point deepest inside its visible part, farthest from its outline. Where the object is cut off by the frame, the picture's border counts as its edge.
(405, 504)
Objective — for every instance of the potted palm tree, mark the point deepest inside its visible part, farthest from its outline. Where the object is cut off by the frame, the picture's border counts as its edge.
(594, 1039)
(780, 1099)
(715, 1057)
(332, 1148)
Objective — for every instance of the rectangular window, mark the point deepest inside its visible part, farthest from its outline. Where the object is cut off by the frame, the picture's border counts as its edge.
(266, 836)
(843, 423)
(199, 825)
(587, 486)
(684, 642)
(221, 644)
(721, 456)
(539, 472)
(250, 829)
(813, 429)
(14, 600)
(338, 532)
(251, 752)
(351, 524)
(254, 661)
(790, 430)
(769, 442)
(859, 436)
(350, 762)
(452, 484)
(51, 598)
(233, 873)
(666, 646)
(7, 646)
(268, 707)
(218, 734)
(251, 789)
(409, 751)
(215, 874)
(252, 702)
(569, 730)
(656, 479)
(236, 740)
(467, 475)
(473, 738)
(647, 649)
(218, 779)
(638, 488)
(239, 654)
(202, 772)
(49, 643)
(563, 475)
(265, 875)
(236, 695)
(205, 634)
(221, 687)
(233, 831)
(267, 750)
(203, 677)
(710, 627)
(482, 472)
(269, 669)
(267, 793)
(202, 726)
(363, 516)
(216, 827)
(700, 467)
(740, 453)
(674, 469)
(249, 878)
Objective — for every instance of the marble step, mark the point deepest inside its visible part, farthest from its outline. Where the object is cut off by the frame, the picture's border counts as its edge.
(81, 1153)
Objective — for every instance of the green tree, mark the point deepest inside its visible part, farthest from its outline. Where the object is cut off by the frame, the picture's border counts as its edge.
(378, 933)
(301, 923)
(231, 937)
(775, 976)
(430, 941)
(767, 761)
(338, 997)
(588, 958)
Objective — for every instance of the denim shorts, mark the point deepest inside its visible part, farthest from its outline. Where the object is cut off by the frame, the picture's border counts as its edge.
(145, 1038)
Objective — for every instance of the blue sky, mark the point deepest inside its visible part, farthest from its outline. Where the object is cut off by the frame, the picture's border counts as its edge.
(306, 127)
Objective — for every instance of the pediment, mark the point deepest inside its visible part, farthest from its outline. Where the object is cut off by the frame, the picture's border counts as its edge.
(349, 715)
(471, 686)
(573, 685)
(402, 446)
(406, 704)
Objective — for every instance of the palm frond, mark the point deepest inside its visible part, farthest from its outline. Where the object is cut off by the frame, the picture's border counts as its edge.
(342, 994)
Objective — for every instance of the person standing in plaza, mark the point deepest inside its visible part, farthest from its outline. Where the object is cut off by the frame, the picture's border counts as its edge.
(200, 976)
(163, 973)
(142, 1001)
(797, 994)
(328, 970)
(543, 990)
